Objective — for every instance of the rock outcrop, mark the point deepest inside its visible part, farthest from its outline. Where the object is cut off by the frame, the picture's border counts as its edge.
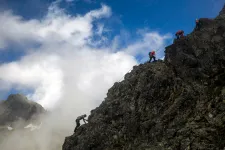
(222, 12)
(18, 108)
(176, 104)
(26, 125)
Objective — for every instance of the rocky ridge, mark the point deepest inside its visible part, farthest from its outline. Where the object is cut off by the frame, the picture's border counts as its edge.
(26, 125)
(18, 108)
(176, 104)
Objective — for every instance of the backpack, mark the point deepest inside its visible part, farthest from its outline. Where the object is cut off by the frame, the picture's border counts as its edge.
(151, 53)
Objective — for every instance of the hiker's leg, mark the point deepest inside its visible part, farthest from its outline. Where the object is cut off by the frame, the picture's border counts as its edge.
(154, 58)
(150, 59)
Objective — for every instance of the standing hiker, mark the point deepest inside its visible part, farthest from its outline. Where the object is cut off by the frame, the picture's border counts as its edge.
(151, 56)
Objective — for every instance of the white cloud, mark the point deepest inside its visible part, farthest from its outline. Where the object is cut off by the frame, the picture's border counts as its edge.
(100, 29)
(63, 61)
(149, 41)
(38, 72)
(64, 69)
(65, 73)
(55, 27)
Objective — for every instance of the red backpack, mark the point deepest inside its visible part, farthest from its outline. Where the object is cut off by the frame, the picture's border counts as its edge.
(152, 53)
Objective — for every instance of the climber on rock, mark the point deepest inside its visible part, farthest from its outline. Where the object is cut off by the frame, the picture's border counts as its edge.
(179, 34)
(198, 24)
(151, 56)
(78, 121)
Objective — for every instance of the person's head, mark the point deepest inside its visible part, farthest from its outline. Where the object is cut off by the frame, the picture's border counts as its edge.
(153, 51)
(85, 115)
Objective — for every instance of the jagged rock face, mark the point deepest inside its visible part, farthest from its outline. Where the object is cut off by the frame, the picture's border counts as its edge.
(201, 54)
(222, 12)
(171, 105)
(18, 107)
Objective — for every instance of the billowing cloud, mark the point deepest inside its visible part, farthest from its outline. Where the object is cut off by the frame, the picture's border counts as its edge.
(62, 66)
(148, 41)
(151, 41)
(64, 61)
(65, 68)
(56, 27)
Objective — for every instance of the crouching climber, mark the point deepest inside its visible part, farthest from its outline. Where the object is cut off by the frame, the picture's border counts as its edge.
(151, 56)
(78, 121)
(179, 34)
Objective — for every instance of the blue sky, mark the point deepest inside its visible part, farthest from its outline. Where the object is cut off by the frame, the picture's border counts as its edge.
(110, 35)
(163, 15)
(128, 15)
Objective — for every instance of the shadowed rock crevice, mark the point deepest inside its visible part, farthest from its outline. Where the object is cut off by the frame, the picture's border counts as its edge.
(174, 104)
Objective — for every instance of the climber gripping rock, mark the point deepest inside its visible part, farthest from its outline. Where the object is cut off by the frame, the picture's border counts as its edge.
(151, 56)
(179, 34)
(78, 121)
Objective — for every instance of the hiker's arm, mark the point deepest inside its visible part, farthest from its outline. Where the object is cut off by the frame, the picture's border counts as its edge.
(84, 120)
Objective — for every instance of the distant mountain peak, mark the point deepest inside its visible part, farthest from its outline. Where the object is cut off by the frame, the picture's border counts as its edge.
(17, 98)
(18, 107)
